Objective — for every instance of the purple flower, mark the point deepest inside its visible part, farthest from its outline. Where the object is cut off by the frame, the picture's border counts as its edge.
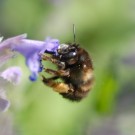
(31, 50)
(12, 74)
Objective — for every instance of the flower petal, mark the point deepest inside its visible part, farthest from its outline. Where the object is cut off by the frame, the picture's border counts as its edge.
(28, 47)
(6, 46)
(12, 74)
(11, 42)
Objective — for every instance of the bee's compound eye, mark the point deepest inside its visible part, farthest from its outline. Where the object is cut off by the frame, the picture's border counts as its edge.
(72, 54)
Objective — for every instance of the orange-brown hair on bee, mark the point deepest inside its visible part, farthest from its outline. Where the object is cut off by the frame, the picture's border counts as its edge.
(74, 68)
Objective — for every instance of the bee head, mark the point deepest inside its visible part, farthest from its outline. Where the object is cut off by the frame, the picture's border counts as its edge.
(68, 53)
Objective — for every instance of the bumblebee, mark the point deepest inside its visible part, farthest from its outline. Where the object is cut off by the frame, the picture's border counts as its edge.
(74, 68)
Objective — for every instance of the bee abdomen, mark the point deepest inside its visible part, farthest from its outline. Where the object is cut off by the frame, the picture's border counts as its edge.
(75, 96)
(79, 92)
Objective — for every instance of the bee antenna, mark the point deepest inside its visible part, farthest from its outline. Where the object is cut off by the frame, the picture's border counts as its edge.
(74, 32)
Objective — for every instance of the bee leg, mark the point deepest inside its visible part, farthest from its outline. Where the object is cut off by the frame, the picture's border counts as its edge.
(57, 86)
(54, 61)
(57, 73)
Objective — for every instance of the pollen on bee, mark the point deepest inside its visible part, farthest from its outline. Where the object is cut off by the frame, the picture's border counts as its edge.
(61, 88)
(88, 75)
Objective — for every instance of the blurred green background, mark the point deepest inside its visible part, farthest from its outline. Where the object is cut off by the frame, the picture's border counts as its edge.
(106, 28)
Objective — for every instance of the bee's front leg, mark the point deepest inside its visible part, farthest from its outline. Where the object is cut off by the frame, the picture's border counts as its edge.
(59, 87)
(54, 61)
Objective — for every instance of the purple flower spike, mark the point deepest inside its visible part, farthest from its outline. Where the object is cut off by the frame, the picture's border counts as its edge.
(32, 50)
